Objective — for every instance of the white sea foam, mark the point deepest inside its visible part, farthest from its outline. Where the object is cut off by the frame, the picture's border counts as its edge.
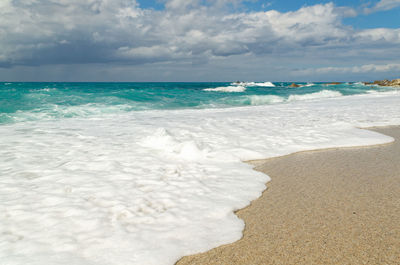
(263, 84)
(265, 99)
(149, 187)
(238, 88)
(45, 89)
(52, 111)
(316, 95)
(307, 85)
(252, 84)
(256, 100)
(371, 91)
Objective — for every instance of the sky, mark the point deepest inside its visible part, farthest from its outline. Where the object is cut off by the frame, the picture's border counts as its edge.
(199, 40)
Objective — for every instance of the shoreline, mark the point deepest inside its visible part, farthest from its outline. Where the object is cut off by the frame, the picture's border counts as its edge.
(258, 162)
(325, 206)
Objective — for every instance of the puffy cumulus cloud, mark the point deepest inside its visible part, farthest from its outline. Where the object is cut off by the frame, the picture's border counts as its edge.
(65, 31)
(380, 35)
(120, 32)
(312, 25)
(382, 5)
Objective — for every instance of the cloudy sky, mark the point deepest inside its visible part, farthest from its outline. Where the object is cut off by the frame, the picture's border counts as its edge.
(199, 40)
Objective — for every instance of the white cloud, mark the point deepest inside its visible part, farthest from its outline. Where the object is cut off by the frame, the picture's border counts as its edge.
(380, 34)
(382, 5)
(119, 32)
(181, 4)
(368, 68)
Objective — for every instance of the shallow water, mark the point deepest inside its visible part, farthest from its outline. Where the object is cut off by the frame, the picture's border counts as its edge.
(146, 173)
(38, 101)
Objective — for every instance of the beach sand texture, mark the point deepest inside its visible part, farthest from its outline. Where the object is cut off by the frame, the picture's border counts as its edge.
(336, 206)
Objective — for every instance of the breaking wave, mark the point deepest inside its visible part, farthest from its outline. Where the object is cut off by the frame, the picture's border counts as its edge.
(252, 84)
(316, 95)
(227, 89)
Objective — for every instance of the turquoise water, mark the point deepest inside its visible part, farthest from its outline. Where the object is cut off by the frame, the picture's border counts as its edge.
(86, 166)
(21, 102)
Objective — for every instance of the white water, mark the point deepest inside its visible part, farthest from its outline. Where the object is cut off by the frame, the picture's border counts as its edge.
(316, 95)
(263, 84)
(149, 187)
(307, 85)
(227, 89)
(264, 99)
(252, 84)
(256, 100)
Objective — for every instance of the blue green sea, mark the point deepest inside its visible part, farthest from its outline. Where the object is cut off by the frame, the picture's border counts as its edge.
(145, 173)
(21, 102)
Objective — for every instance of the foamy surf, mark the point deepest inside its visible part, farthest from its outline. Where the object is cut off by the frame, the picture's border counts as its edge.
(316, 95)
(148, 187)
(255, 100)
(308, 85)
(263, 100)
(227, 89)
(253, 84)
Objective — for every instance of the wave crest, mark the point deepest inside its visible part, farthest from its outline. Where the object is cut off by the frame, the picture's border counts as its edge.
(316, 95)
(251, 84)
(227, 89)
(263, 100)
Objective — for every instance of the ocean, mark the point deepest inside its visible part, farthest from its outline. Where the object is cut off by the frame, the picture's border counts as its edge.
(145, 173)
(21, 102)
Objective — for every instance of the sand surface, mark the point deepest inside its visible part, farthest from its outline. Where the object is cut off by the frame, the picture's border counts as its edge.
(336, 206)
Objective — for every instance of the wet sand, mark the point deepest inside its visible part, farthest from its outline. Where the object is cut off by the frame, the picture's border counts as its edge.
(335, 206)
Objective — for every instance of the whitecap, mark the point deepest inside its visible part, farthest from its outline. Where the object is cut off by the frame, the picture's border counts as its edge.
(316, 95)
(253, 84)
(265, 99)
(227, 89)
(263, 84)
(307, 85)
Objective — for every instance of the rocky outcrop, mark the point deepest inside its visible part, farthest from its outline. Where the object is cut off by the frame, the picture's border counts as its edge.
(394, 82)
(294, 85)
(334, 83)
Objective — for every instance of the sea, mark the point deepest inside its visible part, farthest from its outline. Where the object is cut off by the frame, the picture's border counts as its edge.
(145, 173)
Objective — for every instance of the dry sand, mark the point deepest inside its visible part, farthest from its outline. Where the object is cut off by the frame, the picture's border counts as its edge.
(336, 206)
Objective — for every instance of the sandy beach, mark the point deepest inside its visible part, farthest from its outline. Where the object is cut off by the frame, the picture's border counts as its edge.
(335, 206)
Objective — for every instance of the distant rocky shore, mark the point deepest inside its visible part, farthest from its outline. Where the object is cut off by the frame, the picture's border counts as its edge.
(394, 82)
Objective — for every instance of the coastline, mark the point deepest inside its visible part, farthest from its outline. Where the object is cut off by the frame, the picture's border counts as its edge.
(152, 186)
(329, 206)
